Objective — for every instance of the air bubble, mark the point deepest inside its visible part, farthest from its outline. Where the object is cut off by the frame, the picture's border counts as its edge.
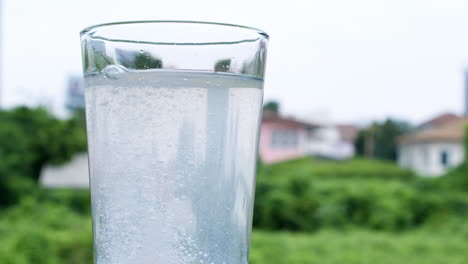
(113, 71)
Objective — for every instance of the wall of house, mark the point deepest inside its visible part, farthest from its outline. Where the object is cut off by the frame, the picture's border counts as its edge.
(270, 152)
(426, 158)
(326, 142)
(73, 174)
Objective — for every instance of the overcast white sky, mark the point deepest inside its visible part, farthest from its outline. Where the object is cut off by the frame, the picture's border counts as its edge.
(348, 60)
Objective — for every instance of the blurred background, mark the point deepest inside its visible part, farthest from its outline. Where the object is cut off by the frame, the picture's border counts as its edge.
(363, 150)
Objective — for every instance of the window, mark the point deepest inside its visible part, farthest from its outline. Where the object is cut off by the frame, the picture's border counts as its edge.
(284, 139)
(445, 158)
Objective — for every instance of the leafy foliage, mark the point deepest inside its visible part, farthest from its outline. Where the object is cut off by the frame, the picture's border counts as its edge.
(306, 195)
(44, 233)
(272, 106)
(358, 247)
(466, 144)
(222, 65)
(146, 61)
(379, 140)
(29, 139)
(361, 211)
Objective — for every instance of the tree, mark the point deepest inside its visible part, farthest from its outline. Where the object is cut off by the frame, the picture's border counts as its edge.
(272, 106)
(145, 61)
(466, 144)
(379, 140)
(29, 139)
(222, 65)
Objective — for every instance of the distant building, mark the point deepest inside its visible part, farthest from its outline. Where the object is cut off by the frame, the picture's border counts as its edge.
(436, 147)
(283, 138)
(73, 174)
(438, 121)
(333, 141)
(75, 93)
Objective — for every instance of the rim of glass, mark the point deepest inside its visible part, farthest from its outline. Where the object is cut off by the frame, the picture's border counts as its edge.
(97, 26)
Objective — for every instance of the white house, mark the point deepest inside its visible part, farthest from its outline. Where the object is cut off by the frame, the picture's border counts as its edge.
(284, 138)
(435, 147)
(332, 141)
(73, 174)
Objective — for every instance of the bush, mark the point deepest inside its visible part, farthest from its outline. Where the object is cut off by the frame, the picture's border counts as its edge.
(44, 233)
(307, 195)
(358, 247)
(29, 139)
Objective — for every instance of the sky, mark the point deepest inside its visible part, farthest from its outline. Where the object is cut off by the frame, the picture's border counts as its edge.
(338, 60)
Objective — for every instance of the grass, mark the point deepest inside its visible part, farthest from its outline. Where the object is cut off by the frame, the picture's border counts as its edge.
(358, 247)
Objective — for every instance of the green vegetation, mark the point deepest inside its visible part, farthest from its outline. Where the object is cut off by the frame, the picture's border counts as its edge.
(44, 232)
(143, 61)
(356, 212)
(29, 139)
(380, 139)
(358, 247)
(272, 106)
(466, 144)
(306, 195)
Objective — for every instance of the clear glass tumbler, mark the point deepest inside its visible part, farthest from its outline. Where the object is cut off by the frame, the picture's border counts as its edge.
(173, 110)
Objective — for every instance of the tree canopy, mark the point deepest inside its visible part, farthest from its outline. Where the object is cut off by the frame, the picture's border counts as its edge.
(272, 106)
(380, 139)
(29, 139)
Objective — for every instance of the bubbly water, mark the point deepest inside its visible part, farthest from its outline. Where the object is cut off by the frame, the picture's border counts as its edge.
(172, 162)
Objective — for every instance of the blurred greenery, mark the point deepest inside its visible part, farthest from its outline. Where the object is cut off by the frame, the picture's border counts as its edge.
(358, 247)
(380, 139)
(306, 195)
(142, 60)
(272, 106)
(223, 65)
(466, 143)
(29, 139)
(44, 232)
(306, 211)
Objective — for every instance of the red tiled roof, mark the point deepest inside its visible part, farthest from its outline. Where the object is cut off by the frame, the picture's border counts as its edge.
(450, 131)
(273, 117)
(439, 120)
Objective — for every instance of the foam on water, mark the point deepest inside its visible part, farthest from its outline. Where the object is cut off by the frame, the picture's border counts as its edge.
(172, 160)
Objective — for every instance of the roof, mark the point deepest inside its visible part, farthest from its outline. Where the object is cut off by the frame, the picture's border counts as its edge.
(274, 117)
(452, 131)
(348, 132)
(439, 120)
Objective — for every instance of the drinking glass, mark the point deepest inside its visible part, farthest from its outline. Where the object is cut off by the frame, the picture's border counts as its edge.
(173, 110)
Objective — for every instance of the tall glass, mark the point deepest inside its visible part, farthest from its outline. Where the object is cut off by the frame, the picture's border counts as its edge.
(173, 111)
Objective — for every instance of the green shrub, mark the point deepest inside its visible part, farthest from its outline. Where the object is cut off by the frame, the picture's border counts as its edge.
(308, 194)
(44, 233)
(358, 247)
(29, 139)
(466, 144)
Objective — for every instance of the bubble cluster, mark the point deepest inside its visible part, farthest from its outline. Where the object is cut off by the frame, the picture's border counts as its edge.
(172, 165)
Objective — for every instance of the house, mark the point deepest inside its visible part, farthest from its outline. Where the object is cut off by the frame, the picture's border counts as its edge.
(435, 147)
(73, 174)
(438, 121)
(284, 138)
(332, 141)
